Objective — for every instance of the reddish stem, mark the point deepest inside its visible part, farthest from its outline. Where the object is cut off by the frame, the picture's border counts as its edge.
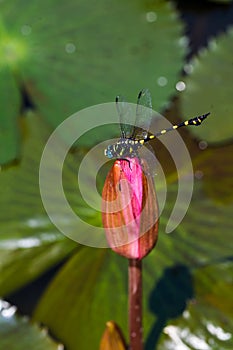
(135, 304)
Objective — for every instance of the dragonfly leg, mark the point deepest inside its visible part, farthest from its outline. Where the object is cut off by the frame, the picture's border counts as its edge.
(128, 161)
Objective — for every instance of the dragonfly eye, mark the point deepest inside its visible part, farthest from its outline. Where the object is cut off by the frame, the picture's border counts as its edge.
(108, 152)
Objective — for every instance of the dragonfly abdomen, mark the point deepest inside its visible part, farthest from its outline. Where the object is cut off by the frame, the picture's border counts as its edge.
(193, 121)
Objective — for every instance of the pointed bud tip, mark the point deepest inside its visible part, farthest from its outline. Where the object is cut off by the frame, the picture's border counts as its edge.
(112, 338)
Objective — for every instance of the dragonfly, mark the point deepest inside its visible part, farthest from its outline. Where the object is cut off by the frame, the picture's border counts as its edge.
(133, 137)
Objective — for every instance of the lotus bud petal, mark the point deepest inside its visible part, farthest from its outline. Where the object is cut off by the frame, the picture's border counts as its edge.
(130, 209)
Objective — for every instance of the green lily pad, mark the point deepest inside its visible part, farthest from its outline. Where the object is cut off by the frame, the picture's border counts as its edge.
(207, 321)
(95, 279)
(10, 109)
(67, 57)
(217, 165)
(43, 251)
(209, 89)
(16, 333)
(26, 233)
(92, 285)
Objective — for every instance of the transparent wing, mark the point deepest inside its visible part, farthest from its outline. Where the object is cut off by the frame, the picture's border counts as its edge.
(144, 114)
(147, 153)
(125, 117)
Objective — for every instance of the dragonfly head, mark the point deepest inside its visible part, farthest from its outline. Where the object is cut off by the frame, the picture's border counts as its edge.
(109, 151)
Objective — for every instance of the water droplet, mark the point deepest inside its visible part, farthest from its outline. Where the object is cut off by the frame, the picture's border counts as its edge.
(4, 305)
(186, 314)
(26, 29)
(70, 48)
(183, 41)
(151, 16)
(133, 334)
(230, 31)
(188, 68)
(203, 145)
(198, 175)
(180, 86)
(45, 330)
(162, 81)
(213, 44)
(9, 312)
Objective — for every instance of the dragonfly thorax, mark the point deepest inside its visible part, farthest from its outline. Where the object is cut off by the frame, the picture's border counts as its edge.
(123, 148)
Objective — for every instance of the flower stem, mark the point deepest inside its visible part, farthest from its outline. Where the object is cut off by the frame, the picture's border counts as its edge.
(135, 304)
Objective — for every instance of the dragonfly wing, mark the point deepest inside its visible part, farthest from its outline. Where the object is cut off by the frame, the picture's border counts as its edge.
(147, 153)
(144, 114)
(125, 112)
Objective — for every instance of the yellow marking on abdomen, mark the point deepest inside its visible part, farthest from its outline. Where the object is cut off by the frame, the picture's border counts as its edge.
(163, 131)
(175, 126)
(186, 123)
(141, 142)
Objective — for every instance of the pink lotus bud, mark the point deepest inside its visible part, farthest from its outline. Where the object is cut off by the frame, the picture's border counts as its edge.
(129, 209)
